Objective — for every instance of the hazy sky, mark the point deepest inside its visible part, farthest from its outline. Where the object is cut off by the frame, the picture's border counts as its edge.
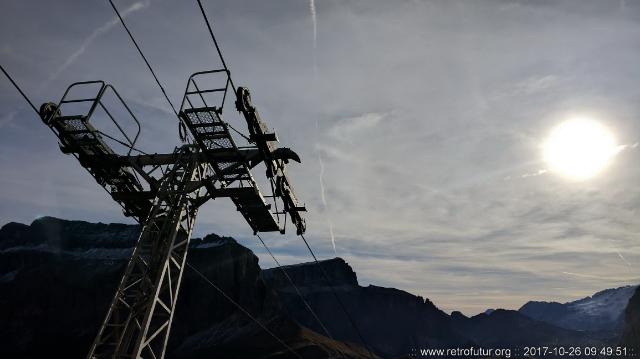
(422, 120)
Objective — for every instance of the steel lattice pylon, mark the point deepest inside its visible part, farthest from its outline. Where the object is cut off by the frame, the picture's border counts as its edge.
(139, 319)
(163, 193)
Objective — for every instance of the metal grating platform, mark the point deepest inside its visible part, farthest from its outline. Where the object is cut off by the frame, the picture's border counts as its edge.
(79, 137)
(212, 134)
(71, 124)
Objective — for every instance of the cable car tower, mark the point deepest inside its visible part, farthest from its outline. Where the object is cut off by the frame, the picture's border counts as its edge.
(163, 192)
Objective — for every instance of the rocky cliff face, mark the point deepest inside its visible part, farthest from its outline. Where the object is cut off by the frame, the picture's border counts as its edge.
(56, 285)
(396, 321)
(603, 312)
(631, 332)
(337, 270)
(57, 279)
(58, 235)
(391, 321)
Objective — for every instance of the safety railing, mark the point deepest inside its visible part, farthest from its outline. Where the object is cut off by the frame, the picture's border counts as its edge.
(97, 102)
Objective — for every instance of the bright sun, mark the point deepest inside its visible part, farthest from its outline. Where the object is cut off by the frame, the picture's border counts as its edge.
(579, 148)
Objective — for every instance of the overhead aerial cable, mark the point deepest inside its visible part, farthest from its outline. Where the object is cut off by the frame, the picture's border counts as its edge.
(246, 312)
(182, 133)
(335, 294)
(24, 95)
(219, 51)
(215, 43)
(306, 303)
(19, 90)
(181, 127)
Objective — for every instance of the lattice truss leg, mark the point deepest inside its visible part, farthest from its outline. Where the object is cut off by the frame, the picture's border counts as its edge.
(139, 319)
(138, 322)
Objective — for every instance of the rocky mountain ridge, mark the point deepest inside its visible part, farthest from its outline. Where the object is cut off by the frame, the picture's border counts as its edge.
(59, 277)
(603, 311)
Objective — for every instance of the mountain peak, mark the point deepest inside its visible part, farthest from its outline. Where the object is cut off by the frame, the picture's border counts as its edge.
(457, 315)
(212, 240)
(337, 269)
(85, 260)
(610, 291)
(63, 234)
(601, 311)
(49, 219)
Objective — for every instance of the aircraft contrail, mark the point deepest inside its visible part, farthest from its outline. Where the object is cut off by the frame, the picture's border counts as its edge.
(314, 21)
(599, 277)
(324, 202)
(91, 38)
(619, 254)
(623, 258)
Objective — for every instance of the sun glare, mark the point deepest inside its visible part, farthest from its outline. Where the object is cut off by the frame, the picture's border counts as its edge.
(579, 148)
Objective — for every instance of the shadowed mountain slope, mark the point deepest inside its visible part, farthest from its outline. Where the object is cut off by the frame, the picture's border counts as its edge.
(631, 332)
(57, 278)
(603, 311)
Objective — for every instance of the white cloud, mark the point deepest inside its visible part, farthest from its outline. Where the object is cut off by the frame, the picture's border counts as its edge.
(348, 128)
(416, 194)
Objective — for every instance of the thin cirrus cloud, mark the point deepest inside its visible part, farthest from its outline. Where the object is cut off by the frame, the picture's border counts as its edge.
(420, 111)
(89, 40)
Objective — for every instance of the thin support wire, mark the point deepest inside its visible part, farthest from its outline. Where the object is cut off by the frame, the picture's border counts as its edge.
(20, 90)
(239, 133)
(38, 114)
(135, 43)
(143, 57)
(313, 313)
(121, 142)
(335, 294)
(215, 43)
(243, 310)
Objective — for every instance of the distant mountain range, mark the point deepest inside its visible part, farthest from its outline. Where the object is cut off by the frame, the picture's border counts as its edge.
(57, 278)
(604, 311)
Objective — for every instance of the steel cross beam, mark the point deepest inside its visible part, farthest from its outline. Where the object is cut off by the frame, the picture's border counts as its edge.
(139, 319)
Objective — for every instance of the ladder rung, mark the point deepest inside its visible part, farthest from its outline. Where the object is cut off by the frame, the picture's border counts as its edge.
(70, 118)
(201, 109)
(79, 100)
(206, 124)
(206, 91)
(212, 135)
(76, 132)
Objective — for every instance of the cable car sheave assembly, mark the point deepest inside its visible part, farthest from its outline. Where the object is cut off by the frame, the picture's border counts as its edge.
(163, 192)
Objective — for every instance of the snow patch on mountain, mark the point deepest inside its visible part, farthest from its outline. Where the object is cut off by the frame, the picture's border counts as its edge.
(601, 312)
